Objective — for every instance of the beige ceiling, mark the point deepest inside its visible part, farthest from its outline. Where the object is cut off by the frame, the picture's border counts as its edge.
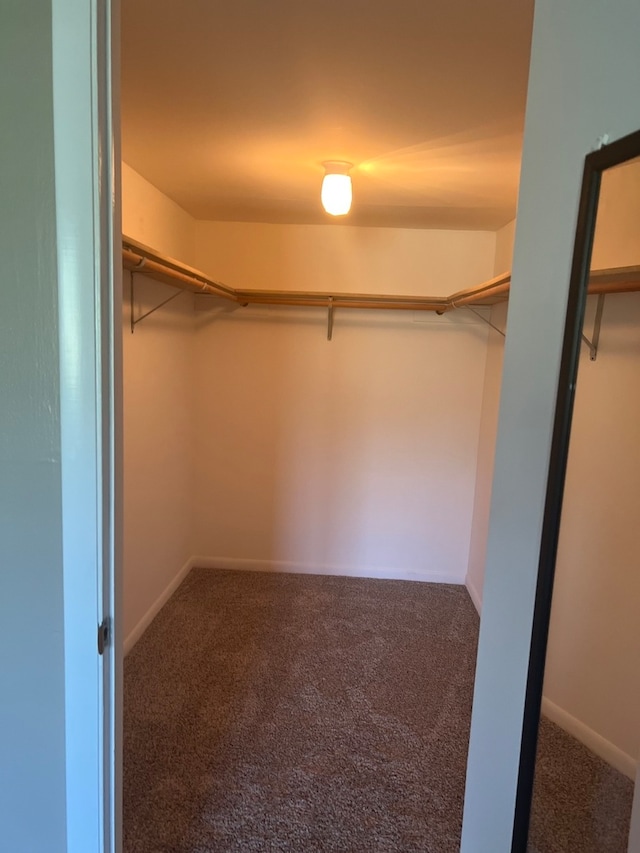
(230, 107)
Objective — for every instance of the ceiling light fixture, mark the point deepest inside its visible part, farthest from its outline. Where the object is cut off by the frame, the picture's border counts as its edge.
(336, 191)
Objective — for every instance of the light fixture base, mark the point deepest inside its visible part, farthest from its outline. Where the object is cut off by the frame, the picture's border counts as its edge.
(337, 167)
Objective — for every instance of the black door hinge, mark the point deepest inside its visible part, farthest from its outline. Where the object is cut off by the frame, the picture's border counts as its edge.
(104, 635)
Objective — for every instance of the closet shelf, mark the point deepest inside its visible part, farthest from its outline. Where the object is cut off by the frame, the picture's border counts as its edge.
(139, 258)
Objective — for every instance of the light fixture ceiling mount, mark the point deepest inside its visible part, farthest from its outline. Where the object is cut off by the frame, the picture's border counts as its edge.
(337, 193)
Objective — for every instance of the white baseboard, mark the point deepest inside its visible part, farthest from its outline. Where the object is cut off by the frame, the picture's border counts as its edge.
(283, 566)
(474, 594)
(591, 739)
(634, 829)
(132, 638)
(288, 567)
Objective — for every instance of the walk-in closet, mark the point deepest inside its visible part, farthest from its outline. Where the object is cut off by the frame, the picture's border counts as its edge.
(311, 407)
(319, 459)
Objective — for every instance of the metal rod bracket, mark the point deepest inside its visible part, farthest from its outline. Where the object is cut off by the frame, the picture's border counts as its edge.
(135, 320)
(330, 319)
(485, 320)
(597, 323)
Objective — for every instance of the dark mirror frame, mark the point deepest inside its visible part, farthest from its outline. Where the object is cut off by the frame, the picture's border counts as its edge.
(614, 154)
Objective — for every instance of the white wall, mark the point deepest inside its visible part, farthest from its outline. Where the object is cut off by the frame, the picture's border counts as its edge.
(583, 84)
(158, 459)
(32, 654)
(151, 218)
(486, 454)
(489, 424)
(617, 236)
(357, 455)
(592, 671)
(158, 413)
(343, 258)
(505, 238)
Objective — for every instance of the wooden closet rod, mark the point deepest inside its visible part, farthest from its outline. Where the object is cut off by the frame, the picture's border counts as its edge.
(139, 258)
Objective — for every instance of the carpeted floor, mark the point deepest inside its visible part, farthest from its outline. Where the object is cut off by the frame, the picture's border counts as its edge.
(267, 713)
(580, 803)
(298, 713)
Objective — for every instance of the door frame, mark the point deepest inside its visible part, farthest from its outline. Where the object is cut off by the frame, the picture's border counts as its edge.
(85, 36)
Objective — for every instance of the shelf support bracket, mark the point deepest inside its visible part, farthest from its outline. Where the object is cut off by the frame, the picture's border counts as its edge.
(597, 323)
(330, 319)
(135, 320)
(485, 320)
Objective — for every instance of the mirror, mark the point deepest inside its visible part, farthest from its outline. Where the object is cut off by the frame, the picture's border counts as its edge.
(581, 734)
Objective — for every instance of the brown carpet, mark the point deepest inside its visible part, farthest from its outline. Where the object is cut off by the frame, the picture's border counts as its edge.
(580, 803)
(299, 713)
(268, 713)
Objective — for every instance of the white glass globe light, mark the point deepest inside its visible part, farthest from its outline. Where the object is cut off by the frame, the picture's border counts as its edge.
(336, 194)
